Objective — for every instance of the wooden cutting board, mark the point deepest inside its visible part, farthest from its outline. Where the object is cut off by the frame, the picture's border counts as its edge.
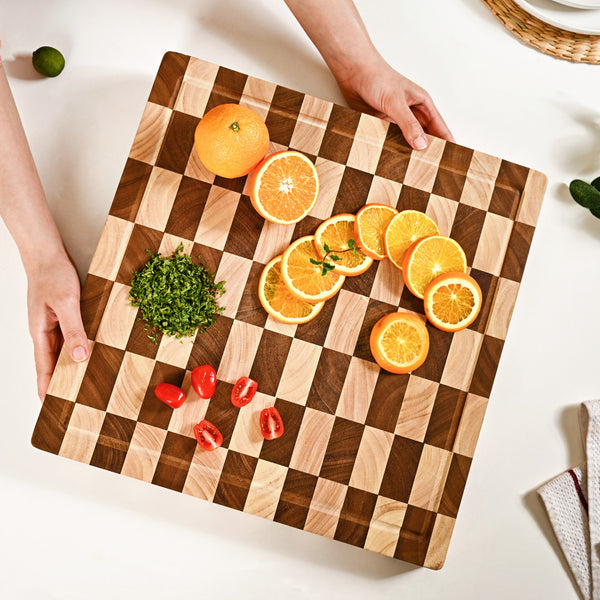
(369, 458)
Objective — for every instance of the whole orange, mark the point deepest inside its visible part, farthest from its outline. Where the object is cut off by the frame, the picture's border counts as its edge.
(231, 140)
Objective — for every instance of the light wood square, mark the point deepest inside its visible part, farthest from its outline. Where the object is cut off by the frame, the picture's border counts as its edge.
(196, 87)
(288, 329)
(311, 125)
(299, 371)
(442, 211)
(68, 375)
(247, 437)
(150, 133)
(430, 479)
(424, 164)
(480, 181)
(312, 441)
(265, 489)
(358, 389)
(204, 473)
(170, 243)
(234, 270)
(196, 169)
(532, 198)
(491, 250)
(346, 321)
(144, 452)
(131, 385)
(470, 424)
(388, 283)
(111, 248)
(504, 303)
(385, 526)
(440, 541)
(462, 357)
(82, 434)
(416, 408)
(118, 318)
(239, 352)
(217, 218)
(192, 411)
(273, 240)
(326, 504)
(384, 191)
(367, 143)
(371, 459)
(158, 198)
(175, 351)
(330, 177)
(258, 95)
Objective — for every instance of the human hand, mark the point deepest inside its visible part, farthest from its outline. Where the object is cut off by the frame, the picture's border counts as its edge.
(378, 89)
(54, 316)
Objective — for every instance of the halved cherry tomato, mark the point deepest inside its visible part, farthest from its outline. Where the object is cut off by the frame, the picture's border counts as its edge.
(271, 425)
(204, 381)
(208, 436)
(243, 391)
(170, 394)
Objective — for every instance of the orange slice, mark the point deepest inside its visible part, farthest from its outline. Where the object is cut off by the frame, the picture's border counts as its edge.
(369, 229)
(277, 299)
(336, 233)
(399, 342)
(404, 230)
(429, 258)
(303, 278)
(452, 301)
(284, 187)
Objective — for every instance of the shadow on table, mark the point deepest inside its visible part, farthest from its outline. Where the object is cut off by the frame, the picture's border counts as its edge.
(21, 67)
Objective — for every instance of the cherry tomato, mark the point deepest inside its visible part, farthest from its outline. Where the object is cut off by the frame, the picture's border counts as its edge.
(170, 394)
(204, 381)
(208, 436)
(243, 391)
(271, 425)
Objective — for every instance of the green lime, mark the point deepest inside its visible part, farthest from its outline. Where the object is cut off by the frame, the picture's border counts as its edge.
(48, 61)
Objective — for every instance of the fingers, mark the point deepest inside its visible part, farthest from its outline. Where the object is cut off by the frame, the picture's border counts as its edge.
(409, 125)
(69, 318)
(45, 350)
(432, 120)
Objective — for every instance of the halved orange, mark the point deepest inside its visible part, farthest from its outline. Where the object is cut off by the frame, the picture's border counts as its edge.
(284, 187)
(404, 230)
(277, 299)
(336, 233)
(302, 277)
(429, 258)
(369, 229)
(399, 342)
(452, 301)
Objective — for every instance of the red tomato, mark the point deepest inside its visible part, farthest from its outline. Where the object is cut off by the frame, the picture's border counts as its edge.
(208, 436)
(271, 425)
(204, 381)
(170, 394)
(243, 391)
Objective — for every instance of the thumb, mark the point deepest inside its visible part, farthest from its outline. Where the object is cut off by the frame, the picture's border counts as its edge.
(412, 130)
(69, 319)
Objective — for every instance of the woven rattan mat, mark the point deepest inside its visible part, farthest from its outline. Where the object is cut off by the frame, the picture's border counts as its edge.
(557, 42)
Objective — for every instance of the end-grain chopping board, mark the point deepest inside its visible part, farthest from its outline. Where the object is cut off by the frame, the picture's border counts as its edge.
(369, 458)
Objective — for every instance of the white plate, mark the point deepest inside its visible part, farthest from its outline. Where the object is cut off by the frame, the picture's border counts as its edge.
(585, 4)
(565, 17)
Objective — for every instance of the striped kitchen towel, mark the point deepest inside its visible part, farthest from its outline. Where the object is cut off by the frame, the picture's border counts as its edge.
(572, 501)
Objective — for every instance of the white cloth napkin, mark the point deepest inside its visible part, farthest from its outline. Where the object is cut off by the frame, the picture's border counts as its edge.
(572, 501)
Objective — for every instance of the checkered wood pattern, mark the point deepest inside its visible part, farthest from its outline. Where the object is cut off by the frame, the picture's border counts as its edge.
(369, 458)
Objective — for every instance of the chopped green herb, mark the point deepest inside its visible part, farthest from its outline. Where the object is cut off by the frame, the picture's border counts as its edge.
(176, 296)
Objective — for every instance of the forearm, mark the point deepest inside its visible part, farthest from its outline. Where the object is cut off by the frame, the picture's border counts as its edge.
(23, 205)
(337, 30)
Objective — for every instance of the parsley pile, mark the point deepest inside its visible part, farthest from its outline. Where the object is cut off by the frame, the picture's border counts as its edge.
(176, 296)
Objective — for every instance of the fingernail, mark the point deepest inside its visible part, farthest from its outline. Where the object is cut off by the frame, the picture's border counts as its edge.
(420, 143)
(79, 353)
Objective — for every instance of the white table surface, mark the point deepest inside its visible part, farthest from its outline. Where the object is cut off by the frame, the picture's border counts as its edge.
(68, 531)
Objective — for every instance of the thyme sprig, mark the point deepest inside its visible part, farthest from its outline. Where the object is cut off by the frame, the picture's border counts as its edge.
(329, 255)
